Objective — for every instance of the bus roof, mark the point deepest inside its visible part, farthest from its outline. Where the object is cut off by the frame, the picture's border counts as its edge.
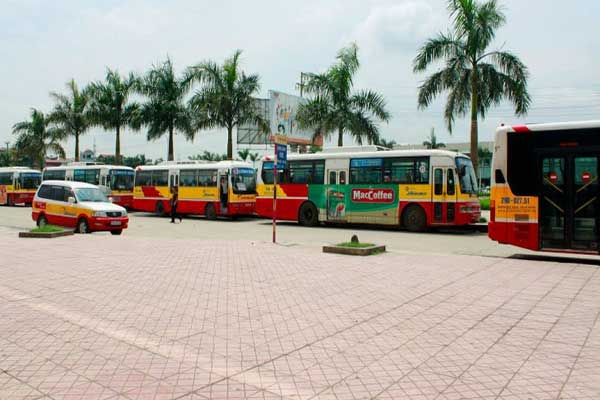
(97, 166)
(207, 165)
(70, 184)
(18, 169)
(554, 126)
(374, 154)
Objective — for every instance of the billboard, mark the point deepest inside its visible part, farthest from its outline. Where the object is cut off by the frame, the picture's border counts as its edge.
(280, 111)
(249, 133)
(283, 109)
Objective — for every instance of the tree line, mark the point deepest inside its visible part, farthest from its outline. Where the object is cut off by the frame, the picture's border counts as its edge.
(210, 95)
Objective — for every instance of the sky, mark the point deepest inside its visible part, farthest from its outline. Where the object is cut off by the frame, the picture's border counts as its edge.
(44, 44)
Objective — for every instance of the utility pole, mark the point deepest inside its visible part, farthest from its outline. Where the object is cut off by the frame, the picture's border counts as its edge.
(300, 85)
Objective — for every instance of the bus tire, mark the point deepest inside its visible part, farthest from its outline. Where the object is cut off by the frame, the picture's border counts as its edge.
(42, 221)
(308, 214)
(159, 209)
(116, 232)
(210, 211)
(414, 218)
(82, 226)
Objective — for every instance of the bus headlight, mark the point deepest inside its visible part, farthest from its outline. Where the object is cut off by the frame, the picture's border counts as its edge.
(99, 214)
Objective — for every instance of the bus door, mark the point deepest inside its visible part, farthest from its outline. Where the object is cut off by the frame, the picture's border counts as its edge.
(569, 202)
(444, 195)
(336, 195)
(223, 184)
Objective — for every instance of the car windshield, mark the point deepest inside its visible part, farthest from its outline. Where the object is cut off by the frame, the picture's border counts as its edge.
(121, 179)
(466, 173)
(30, 180)
(243, 180)
(90, 194)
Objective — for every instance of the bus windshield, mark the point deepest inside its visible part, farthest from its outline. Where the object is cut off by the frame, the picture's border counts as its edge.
(121, 179)
(30, 180)
(90, 194)
(466, 173)
(243, 180)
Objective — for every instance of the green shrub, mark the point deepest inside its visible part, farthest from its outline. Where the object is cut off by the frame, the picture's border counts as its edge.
(485, 203)
(352, 244)
(47, 229)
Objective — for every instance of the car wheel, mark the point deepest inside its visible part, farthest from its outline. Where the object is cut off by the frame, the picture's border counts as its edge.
(116, 232)
(308, 215)
(42, 221)
(82, 226)
(210, 212)
(160, 209)
(414, 219)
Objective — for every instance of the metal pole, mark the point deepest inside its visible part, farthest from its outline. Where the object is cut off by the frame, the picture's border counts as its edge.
(275, 197)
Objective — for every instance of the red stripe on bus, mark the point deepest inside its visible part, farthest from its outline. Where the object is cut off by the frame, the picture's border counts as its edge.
(521, 128)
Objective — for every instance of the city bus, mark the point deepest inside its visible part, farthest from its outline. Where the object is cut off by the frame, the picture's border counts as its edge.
(212, 189)
(544, 193)
(115, 180)
(18, 185)
(415, 189)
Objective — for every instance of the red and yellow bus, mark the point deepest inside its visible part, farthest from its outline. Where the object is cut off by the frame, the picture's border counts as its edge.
(115, 180)
(415, 189)
(212, 189)
(544, 193)
(18, 185)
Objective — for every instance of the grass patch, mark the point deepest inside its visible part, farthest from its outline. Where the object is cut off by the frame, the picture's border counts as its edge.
(484, 202)
(47, 229)
(355, 245)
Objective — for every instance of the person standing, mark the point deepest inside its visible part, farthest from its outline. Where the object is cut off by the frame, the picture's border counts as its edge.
(174, 204)
(224, 191)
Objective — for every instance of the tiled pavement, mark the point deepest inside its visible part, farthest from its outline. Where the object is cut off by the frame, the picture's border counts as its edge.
(97, 317)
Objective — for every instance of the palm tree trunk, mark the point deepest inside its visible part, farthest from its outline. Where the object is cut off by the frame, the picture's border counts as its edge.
(171, 155)
(118, 146)
(76, 146)
(474, 127)
(340, 137)
(230, 142)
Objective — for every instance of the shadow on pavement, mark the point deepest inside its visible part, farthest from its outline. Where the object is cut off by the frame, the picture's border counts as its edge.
(556, 258)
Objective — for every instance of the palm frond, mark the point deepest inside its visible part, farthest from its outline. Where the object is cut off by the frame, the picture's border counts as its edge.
(370, 101)
(441, 46)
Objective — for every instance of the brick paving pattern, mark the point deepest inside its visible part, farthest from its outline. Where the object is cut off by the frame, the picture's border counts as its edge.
(97, 317)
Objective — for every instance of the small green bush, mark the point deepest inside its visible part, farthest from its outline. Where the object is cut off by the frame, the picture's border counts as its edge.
(483, 220)
(485, 203)
(356, 245)
(47, 229)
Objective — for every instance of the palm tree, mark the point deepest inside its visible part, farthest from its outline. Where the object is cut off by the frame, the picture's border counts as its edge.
(388, 144)
(71, 113)
(474, 76)
(243, 154)
(110, 106)
(165, 111)
(432, 143)
(334, 108)
(36, 139)
(254, 157)
(225, 99)
(208, 156)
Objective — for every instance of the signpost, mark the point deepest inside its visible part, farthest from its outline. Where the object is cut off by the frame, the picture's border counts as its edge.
(279, 163)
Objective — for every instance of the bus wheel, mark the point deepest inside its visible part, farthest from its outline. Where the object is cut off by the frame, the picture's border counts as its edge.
(414, 218)
(42, 221)
(210, 212)
(82, 226)
(159, 210)
(308, 215)
(116, 232)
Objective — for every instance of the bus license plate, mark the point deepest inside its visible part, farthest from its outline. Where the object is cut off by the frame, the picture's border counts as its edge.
(115, 223)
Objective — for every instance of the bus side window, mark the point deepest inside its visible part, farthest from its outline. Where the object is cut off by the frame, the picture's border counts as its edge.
(342, 177)
(332, 178)
(499, 176)
(450, 184)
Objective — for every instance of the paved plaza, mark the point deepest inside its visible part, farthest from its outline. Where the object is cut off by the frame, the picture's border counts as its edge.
(101, 317)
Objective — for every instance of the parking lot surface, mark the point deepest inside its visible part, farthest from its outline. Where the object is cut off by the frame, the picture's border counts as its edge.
(101, 317)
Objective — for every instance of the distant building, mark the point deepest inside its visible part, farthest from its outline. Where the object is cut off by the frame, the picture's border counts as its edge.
(485, 163)
(87, 155)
